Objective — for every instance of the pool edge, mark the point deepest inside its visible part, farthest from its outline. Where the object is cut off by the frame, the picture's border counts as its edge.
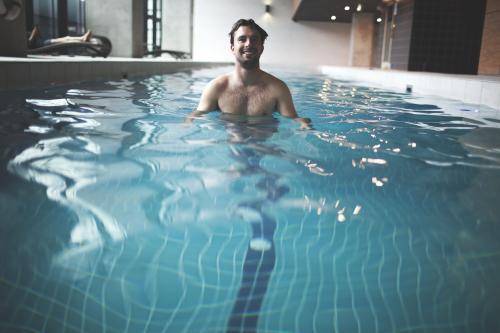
(472, 89)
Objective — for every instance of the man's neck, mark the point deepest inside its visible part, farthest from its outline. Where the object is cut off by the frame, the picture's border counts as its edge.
(247, 76)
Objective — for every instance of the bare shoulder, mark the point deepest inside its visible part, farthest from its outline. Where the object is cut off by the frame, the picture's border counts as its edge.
(219, 83)
(276, 84)
(209, 100)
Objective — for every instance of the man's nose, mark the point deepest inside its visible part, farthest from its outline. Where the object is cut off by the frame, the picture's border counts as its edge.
(249, 42)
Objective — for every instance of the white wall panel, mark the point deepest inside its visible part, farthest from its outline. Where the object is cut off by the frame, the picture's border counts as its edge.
(289, 42)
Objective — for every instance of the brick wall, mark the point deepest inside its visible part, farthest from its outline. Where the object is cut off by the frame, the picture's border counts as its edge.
(489, 61)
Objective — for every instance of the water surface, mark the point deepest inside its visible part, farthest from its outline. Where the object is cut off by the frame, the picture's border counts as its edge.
(118, 217)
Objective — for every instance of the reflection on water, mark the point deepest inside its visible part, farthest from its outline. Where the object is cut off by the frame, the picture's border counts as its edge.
(121, 218)
(67, 163)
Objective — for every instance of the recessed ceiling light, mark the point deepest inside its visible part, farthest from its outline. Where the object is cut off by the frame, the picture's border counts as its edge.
(347, 8)
(359, 7)
(379, 19)
(333, 18)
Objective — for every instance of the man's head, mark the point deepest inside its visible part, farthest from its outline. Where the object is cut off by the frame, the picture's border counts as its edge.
(247, 42)
(247, 23)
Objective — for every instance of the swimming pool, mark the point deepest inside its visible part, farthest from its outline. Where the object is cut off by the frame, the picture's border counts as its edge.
(117, 217)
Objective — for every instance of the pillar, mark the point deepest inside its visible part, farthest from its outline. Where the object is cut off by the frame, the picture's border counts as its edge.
(13, 34)
(489, 59)
(362, 39)
(122, 21)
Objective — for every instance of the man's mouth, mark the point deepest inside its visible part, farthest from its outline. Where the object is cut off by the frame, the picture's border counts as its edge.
(249, 52)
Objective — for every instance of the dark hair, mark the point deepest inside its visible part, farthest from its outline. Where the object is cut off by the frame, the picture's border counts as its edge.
(248, 23)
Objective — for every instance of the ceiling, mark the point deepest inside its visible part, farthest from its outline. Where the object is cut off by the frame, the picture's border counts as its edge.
(322, 10)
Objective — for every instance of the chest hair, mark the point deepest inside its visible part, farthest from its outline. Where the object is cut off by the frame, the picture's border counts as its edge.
(248, 100)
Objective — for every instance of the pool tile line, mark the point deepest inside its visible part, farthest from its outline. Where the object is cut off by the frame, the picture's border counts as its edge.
(258, 266)
(260, 257)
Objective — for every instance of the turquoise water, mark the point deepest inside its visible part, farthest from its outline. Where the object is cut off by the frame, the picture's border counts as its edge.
(117, 217)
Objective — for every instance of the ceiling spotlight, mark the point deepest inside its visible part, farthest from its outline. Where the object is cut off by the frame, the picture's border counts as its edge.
(347, 8)
(359, 7)
(379, 19)
(333, 17)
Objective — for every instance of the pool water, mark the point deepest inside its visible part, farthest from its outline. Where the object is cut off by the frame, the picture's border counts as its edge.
(118, 217)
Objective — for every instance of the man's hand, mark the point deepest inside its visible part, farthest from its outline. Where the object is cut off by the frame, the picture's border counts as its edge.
(190, 117)
(305, 123)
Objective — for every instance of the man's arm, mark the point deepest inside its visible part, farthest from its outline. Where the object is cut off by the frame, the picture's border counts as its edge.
(208, 102)
(286, 107)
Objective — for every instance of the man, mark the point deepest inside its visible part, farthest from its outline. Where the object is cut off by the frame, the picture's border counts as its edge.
(247, 90)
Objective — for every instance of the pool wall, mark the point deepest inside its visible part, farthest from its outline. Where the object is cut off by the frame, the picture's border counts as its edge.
(472, 89)
(43, 71)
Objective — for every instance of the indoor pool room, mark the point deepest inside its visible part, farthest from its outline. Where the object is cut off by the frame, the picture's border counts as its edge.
(249, 166)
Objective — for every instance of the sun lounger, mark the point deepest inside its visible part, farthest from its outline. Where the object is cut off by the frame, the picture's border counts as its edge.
(96, 46)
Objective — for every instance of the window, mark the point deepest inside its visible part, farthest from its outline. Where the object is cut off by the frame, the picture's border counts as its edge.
(152, 28)
(56, 18)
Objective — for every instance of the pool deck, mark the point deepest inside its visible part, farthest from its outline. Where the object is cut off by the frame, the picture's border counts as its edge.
(42, 71)
(471, 89)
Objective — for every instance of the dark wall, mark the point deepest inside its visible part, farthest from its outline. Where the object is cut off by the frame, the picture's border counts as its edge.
(446, 36)
(379, 35)
(402, 36)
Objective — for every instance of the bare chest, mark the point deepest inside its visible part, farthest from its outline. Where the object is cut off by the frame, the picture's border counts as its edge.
(253, 101)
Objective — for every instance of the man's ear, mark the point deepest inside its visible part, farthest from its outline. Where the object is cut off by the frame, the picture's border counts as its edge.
(232, 47)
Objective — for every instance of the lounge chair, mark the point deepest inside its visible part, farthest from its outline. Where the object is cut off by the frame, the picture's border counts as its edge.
(96, 46)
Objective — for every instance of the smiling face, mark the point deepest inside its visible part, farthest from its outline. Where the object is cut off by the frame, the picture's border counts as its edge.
(247, 47)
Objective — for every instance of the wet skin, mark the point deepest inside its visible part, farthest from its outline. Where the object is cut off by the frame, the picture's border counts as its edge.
(247, 90)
